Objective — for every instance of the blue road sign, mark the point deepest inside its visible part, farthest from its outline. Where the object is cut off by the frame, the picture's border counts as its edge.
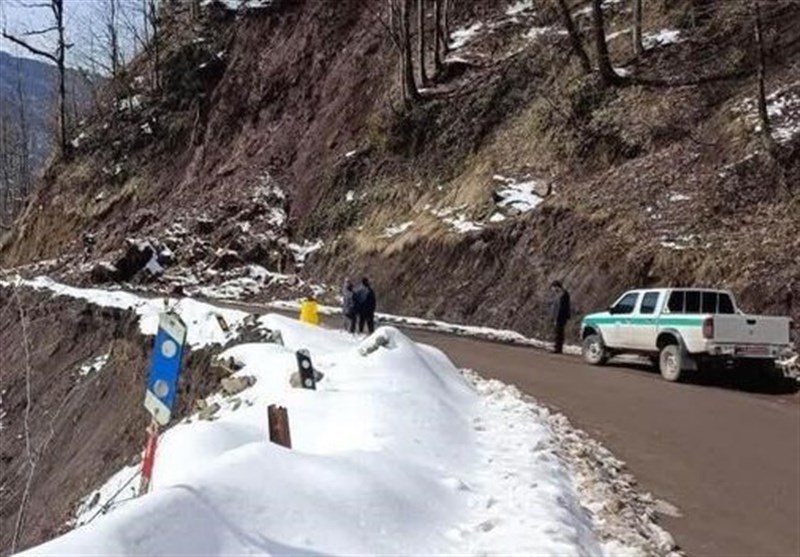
(165, 366)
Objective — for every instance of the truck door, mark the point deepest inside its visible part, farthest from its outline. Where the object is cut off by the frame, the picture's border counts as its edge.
(617, 334)
(645, 327)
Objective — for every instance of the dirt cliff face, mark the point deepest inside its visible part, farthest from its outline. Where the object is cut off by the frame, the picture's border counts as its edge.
(295, 109)
(86, 368)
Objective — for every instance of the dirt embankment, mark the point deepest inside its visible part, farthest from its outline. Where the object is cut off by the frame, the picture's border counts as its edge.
(84, 424)
(661, 181)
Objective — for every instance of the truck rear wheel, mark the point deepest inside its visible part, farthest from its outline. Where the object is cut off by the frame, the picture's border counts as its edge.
(670, 363)
(594, 350)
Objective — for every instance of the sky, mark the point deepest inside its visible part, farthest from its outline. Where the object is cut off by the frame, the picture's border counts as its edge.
(84, 24)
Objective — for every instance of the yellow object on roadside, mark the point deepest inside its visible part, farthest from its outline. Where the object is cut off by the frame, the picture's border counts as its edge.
(309, 312)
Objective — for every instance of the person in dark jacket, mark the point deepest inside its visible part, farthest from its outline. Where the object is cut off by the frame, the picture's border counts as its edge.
(560, 313)
(349, 306)
(365, 306)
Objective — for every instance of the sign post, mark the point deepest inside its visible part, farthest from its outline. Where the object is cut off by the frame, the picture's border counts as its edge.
(306, 369)
(162, 385)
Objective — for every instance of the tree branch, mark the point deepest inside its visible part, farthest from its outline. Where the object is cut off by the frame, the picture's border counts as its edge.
(40, 32)
(30, 48)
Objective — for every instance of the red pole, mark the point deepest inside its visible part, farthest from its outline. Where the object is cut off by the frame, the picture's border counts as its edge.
(149, 459)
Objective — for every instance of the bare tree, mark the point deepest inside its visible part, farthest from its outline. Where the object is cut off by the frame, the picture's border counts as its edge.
(439, 48)
(763, 113)
(423, 76)
(57, 7)
(412, 93)
(638, 49)
(574, 36)
(607, 73)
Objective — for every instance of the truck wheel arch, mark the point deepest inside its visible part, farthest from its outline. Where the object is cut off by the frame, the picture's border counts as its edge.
(592, 330)
(667, 337)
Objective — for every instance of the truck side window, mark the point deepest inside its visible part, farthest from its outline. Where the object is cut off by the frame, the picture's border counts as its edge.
(710, 302)
(725, 304)
(626, 304)
(692, 301)
(675, 304)
(649, 303)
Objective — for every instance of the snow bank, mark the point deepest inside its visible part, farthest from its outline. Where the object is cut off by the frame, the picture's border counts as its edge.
(395, 453)
(202, 319)
(487, 333)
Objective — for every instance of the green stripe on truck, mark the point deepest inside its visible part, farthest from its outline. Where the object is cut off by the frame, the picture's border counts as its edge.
(651, 321)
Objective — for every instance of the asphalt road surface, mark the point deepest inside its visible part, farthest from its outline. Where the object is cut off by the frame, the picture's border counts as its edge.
(725, 453)
(728, 459)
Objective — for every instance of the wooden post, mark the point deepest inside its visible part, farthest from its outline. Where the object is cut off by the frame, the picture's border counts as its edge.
(279, 432)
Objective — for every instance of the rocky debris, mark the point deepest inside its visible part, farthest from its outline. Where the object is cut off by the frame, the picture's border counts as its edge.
(207, 411)
(136, 257)
(102, 272)
(226, 259)
(235, 385)
(205, 225)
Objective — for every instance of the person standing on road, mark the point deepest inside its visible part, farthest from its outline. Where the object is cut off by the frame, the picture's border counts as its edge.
(349, 306)
(560, 313)
(366, 304)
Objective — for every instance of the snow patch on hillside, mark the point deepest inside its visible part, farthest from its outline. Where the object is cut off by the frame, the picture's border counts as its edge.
(661, 38)
(520, 197)
(783, 109)
(519, 6)
(94, 365)
(460, 37)
(392, 231)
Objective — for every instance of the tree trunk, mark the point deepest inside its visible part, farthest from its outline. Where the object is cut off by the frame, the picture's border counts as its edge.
(607, 73)
(438, 38)
(446, 27)
(408, 62)
(58, 11)
(763, 113)
(575, 38)
(423, 76)
(638, 49)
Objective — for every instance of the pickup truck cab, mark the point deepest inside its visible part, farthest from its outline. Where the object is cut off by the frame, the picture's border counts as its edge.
(684, 329)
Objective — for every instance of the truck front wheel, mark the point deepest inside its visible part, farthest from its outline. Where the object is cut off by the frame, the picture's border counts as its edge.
(594, 351)
(670, 363)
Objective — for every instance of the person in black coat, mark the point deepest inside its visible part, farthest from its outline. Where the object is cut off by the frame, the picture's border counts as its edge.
(366, 304)
(349, 306)
(560, 313)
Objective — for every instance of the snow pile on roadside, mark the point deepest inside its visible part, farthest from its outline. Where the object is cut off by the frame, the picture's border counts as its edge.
(487, 333)
(202, 319)
(395, 453)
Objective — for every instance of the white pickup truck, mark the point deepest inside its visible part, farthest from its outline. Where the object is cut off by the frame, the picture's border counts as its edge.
(684, 329)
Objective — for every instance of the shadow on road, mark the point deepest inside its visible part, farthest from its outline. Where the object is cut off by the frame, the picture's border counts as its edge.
(744, 380)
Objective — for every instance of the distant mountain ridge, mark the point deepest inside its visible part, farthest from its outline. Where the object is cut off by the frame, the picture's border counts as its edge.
(39, 84)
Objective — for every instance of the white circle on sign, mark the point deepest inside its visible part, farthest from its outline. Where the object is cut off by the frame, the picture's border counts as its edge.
(160, 388)
(169, 348)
